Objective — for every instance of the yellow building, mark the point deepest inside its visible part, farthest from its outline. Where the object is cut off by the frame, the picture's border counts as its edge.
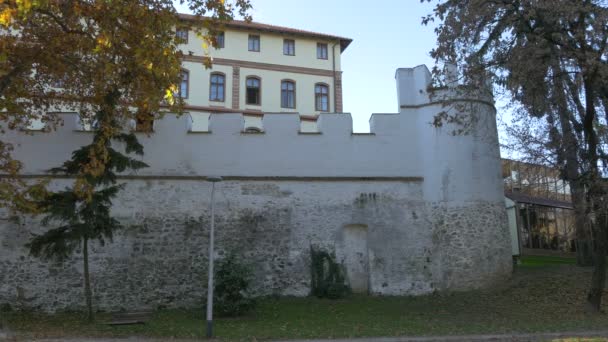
(259, 68)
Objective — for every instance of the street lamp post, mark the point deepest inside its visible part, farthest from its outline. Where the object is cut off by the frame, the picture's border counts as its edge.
(213, 180)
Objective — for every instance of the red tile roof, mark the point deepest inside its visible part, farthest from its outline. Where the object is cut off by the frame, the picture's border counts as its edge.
(255, 26)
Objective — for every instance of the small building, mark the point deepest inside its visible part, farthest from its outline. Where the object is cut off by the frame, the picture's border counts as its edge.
(539, 209)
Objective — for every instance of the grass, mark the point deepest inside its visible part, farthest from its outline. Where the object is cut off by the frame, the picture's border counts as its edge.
(538, 260)
(536, 299)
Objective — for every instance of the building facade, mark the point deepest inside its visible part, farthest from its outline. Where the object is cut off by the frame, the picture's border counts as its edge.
(259, 68)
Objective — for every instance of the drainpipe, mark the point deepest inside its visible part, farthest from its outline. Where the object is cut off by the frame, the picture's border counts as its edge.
(333, 57)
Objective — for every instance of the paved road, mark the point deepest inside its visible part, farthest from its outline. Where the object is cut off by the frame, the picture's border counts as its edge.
(467, 338)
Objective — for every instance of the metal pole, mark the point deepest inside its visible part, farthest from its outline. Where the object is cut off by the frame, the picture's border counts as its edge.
(213, 180)
(210, 277)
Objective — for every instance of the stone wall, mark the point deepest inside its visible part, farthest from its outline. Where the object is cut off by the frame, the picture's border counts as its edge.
(408, 209)
(160, 256)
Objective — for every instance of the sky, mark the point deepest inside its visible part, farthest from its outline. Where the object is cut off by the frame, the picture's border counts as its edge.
(386, 35)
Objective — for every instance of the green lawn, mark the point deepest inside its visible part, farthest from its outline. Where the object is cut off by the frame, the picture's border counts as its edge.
(537, 299)
(538, 260)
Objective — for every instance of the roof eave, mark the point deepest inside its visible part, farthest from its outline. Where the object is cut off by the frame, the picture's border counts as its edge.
(344, 42)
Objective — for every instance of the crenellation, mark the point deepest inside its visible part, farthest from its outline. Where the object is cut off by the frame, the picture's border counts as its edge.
(381, 124)
(413, 85)
(409, 208)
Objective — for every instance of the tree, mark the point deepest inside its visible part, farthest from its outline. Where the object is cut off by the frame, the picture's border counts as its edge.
(550, 57)
(110, 61)
(83, 219)
(69, 55)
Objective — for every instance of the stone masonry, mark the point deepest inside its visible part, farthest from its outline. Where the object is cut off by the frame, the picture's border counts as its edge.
(408, 209)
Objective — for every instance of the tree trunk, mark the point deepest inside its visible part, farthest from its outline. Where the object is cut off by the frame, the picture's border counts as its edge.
(584, 239)
(87, 280)
(598, 280)
(596, 195)
(569, 153)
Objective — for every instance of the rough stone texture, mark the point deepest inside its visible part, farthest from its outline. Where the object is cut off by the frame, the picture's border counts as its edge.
(461, 260)
(410, 209)
(159, 259)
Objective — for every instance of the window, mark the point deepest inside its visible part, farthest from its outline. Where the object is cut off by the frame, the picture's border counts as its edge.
(182, 35)
(253, 91)
(289, 47)
(184, 84)
(254, 43)
(321, 51)
(217, 88)
(288, 94)
(321, 97)
(219, 40)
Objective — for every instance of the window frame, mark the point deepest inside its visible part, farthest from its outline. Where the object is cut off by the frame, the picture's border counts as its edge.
(286, 42)
(177, 35)
(259, 79)
(211, 84)
(287, 90)
(181, 81)
(321, 84)
(321, 46)
(218, 40)
(253, 38)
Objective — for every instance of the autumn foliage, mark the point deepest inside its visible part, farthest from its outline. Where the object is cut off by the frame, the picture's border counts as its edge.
(70, 55)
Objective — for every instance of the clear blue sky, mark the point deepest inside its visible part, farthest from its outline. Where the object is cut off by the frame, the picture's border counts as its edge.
(386, 35)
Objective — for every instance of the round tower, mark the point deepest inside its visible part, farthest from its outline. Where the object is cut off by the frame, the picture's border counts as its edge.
(462, 188)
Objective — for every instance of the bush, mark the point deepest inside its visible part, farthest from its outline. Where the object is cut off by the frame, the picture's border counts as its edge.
(232, 280)
(6, 307)
(327, 276)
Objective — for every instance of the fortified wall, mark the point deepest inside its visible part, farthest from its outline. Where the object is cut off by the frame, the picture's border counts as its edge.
(408, 208)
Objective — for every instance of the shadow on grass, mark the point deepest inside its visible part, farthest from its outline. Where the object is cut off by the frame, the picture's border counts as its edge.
(537, 299)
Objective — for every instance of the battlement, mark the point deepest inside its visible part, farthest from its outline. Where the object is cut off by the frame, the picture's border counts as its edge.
(415, 88)
(410, 208)
(403, 144)
(176, 147)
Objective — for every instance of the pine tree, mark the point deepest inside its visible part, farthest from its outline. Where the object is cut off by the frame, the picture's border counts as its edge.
(83, 211)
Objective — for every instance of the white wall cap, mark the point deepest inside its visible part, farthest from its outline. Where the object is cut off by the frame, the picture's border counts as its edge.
(412, 85)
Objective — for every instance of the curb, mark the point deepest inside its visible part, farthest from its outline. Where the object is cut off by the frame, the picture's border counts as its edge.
(532, 337)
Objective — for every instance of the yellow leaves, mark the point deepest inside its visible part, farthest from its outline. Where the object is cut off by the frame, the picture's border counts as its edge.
(19, 8)
(170, 94)
(24, 5)
(102, 43)
(6, 16)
